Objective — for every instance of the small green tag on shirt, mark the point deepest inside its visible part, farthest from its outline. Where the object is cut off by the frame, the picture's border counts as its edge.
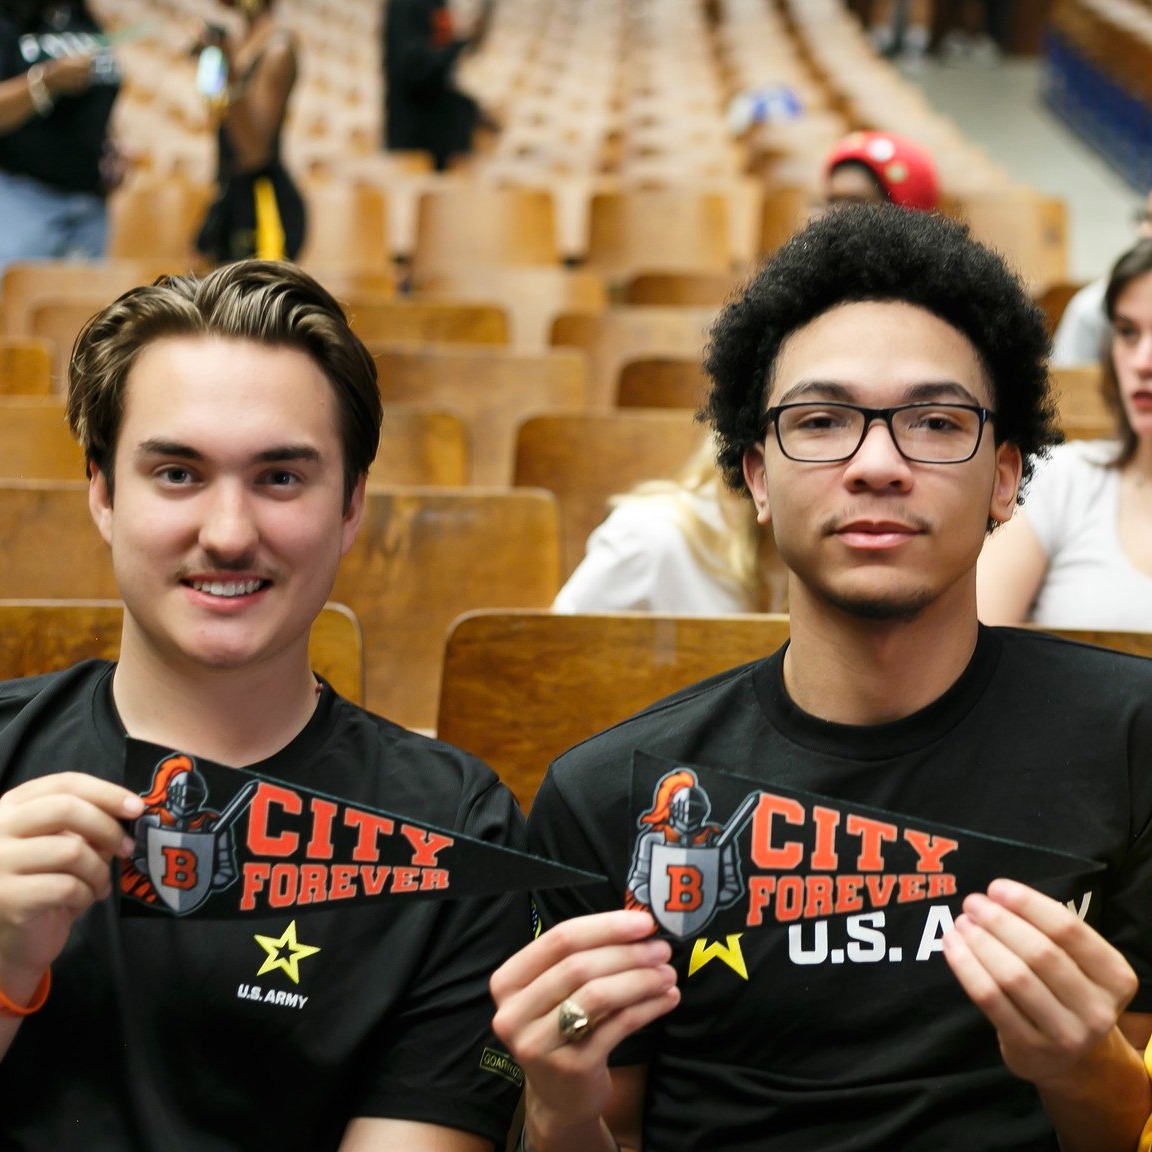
(503, 1065)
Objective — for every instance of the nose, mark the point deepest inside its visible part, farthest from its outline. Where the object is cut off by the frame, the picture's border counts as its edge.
(878, 463)
(228, 529)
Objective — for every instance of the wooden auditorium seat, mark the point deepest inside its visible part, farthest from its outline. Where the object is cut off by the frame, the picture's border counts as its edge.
(1080, 405)
(691, 289)
(157, 219)
(38, 636)
(485, 224)
(585, 458)
(378, 321)
(347, 227)
(626, 332)
(519, 688)
(28, 283)
(423, 557)
(25, 366)
(669, 229)
(491, 389)
(532, 295)
(421, 445)
(35, 441)
(662, 382)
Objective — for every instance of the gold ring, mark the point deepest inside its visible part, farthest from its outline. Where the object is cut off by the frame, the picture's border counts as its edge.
(573, 1021)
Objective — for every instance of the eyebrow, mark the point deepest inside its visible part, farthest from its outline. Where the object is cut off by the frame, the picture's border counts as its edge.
(943, 390)
(282, 454)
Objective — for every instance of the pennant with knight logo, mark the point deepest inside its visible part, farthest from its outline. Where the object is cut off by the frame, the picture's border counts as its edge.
(711, 845)
(223, 842)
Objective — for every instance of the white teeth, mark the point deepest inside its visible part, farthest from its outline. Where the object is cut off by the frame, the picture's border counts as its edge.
(231, 588)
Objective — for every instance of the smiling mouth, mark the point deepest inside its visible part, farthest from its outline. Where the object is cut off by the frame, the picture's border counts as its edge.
(228, 588)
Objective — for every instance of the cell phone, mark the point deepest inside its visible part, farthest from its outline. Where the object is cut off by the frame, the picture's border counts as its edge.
(211, 73)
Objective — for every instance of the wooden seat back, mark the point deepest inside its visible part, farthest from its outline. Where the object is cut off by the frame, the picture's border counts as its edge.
(35, 441)
(491, 389)
(421, 444)
(378, 321)
(666, 229)
(484, 224)
(532, 295)
(423, 557)
(347, 226)
(519, 688)
(685, 289)
(617, 335)
(585, 458)
(662, 382)
(38, 636)
(156, 219)
(1080, 405)
(25, 366)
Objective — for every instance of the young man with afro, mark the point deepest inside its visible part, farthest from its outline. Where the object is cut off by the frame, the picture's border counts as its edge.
(879, 391)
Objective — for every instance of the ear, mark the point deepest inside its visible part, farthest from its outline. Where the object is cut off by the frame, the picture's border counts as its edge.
(1009, 469)
(100, 502)
(353, 515)
(755, 476)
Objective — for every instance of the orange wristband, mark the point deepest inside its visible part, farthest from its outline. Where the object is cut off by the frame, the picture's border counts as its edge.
(7, 1008)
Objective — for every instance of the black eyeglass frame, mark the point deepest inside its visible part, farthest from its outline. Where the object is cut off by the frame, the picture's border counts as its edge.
(771, 416)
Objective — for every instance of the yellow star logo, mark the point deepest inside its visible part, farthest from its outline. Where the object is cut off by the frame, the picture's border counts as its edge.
(293, 953)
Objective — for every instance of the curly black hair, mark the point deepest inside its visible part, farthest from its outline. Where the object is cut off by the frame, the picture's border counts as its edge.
(881, 252)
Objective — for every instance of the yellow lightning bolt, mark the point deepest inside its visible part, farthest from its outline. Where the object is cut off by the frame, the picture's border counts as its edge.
(729, 952)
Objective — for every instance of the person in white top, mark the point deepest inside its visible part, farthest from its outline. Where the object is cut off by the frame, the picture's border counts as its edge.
(1080, 553)
(687, 546)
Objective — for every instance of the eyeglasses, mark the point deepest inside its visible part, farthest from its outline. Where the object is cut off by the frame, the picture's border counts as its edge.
(922, 433)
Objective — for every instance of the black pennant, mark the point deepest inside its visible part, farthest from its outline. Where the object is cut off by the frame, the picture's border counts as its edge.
(223, 842)
(711, 843)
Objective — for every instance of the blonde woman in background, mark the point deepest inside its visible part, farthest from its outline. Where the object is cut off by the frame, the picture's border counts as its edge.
(687, 546)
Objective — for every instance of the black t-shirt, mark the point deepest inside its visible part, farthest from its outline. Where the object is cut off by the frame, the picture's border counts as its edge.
(62, 149)
(851, 1032)
(152, 1037)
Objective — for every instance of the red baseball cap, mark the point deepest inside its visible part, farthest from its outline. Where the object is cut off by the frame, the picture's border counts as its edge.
(905, 170)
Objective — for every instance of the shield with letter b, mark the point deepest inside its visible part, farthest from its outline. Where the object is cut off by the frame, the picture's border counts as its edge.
(180, 866)
(684, 886)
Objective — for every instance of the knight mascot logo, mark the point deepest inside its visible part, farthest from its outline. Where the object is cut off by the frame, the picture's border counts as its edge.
(185, 851)
(684, 868)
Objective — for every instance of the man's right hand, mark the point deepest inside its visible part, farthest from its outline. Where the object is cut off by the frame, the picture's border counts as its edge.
(608, 966)
(58, 835)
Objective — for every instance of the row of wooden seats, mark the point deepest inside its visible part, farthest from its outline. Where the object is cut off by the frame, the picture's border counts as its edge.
(507, 678)
(510, 679)
(43, 635)
(422, 557)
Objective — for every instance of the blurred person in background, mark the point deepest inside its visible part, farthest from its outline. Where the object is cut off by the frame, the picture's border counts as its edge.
(247, 81)
(58, 82)
(424, 110)
(873, 167)
(1083, 333)
(1079, 553)
(688, 546)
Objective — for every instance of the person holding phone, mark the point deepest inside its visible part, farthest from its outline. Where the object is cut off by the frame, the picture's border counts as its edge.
(247, 82)
(58, 83)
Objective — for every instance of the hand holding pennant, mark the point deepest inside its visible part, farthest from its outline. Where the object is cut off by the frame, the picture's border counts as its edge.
(710, 843)
(223, 842)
